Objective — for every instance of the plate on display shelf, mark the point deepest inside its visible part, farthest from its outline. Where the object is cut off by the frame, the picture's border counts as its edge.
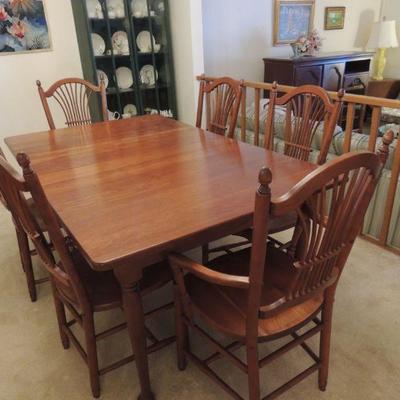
(94, 9)
(139, 8)
(143, 41)
(116, 8)
(124, 77)
(102, 74)
(120, 43)
(148, 75)
(99, 45)
(130, 109)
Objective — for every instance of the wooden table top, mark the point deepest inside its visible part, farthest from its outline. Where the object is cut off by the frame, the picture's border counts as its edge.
(129, 191)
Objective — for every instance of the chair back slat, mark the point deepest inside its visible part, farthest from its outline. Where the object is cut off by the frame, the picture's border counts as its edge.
(307, 109)
(222, 97)
(73, 95)
(15, 188)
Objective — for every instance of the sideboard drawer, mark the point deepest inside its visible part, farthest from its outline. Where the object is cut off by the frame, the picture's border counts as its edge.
(355, 82)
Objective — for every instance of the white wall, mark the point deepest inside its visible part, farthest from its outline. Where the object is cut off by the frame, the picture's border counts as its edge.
(391, 10)
(238, 34)
(20, 107)
(187, 42)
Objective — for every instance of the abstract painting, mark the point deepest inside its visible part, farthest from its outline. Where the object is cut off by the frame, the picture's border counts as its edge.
(293, 18)
(23, 26)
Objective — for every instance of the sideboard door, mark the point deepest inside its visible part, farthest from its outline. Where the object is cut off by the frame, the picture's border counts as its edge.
(333, 76)
(310, 75)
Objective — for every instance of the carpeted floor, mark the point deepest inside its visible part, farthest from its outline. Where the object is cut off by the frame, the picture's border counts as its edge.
(365, 343)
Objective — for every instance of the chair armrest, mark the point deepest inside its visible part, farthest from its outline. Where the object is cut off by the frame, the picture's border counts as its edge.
(209, 275)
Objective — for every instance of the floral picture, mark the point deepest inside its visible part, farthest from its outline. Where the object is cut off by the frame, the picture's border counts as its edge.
(23, 26)
(293, 18)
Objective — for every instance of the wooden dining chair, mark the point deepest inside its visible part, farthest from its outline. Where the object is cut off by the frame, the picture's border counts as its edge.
(74, 96)
(25, 251)
(222, 97)
(308, 109)
(76, 287)
(265, 292)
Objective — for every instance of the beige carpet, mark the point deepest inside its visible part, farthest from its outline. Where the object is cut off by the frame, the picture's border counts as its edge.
(365, 344)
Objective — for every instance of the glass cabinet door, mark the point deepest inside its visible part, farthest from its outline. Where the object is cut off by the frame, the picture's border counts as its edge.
(130, 47)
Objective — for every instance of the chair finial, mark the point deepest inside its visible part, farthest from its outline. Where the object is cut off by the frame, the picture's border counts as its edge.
(265, 178)
(38, 83)
(25, 163)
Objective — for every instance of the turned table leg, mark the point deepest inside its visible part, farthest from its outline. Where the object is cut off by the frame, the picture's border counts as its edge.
(133, 309)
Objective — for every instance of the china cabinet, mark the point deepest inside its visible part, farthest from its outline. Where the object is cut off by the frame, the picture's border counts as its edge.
(128, 43)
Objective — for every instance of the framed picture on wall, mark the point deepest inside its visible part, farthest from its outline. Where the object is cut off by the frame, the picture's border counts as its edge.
(23, 27)
(334, 17)
(292, 19)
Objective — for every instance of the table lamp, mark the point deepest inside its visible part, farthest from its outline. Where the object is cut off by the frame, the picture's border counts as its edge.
(383, 36)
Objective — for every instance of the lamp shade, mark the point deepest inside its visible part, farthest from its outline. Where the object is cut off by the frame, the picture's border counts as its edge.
(383, 35)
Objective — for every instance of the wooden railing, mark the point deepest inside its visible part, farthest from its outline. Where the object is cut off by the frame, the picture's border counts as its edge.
(253, 91)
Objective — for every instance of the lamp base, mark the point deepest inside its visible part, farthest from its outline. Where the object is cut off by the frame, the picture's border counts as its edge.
(379, 65)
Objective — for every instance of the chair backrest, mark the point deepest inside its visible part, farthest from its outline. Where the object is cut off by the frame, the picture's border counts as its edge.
(222, 97)
(308, 108)
(63, 273)
(330, 204)
(73, 96)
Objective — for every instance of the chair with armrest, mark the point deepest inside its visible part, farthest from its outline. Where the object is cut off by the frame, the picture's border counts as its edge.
(222, 97)
(74, 96)
(264, 293)
(75, 285)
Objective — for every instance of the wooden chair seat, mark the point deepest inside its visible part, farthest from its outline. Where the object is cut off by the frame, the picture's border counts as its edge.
(225, 308)
(103, 288)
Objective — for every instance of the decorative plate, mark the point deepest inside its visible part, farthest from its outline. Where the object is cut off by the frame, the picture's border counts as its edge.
(99, 45)
(120, 42)
(130, 109)
(143, 41)
(148, 75)
(124, 77)
(101, 73)
(139, 8)
(115, 9)
(94, 9)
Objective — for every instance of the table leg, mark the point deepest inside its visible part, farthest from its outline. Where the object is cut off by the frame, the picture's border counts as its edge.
(133, 309)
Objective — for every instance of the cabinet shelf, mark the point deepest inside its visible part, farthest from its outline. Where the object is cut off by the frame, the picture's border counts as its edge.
(158, 97)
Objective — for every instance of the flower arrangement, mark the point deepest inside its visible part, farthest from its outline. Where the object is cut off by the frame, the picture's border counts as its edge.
(310, 44)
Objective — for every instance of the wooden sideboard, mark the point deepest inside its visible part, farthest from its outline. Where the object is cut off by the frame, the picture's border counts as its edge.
(332, 71)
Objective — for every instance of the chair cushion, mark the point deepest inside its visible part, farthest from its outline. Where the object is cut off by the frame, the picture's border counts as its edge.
(225, 308)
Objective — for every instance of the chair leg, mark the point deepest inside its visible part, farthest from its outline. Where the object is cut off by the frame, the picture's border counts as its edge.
(204, 254)
(325, 339)
(26, 261)
(253, 373)
(91, 351)
(181, 332)
(61, 318)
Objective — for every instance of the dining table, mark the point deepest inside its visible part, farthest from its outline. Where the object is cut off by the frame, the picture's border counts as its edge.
(131, 191)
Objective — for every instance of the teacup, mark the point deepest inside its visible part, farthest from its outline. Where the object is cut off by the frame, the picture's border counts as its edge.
(113, 115)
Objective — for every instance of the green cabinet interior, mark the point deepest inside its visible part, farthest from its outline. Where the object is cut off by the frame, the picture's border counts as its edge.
(155, 98)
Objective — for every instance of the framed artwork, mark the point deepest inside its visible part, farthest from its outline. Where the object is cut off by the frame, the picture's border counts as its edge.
(293, 18)
(334, 17)
(23, 27)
